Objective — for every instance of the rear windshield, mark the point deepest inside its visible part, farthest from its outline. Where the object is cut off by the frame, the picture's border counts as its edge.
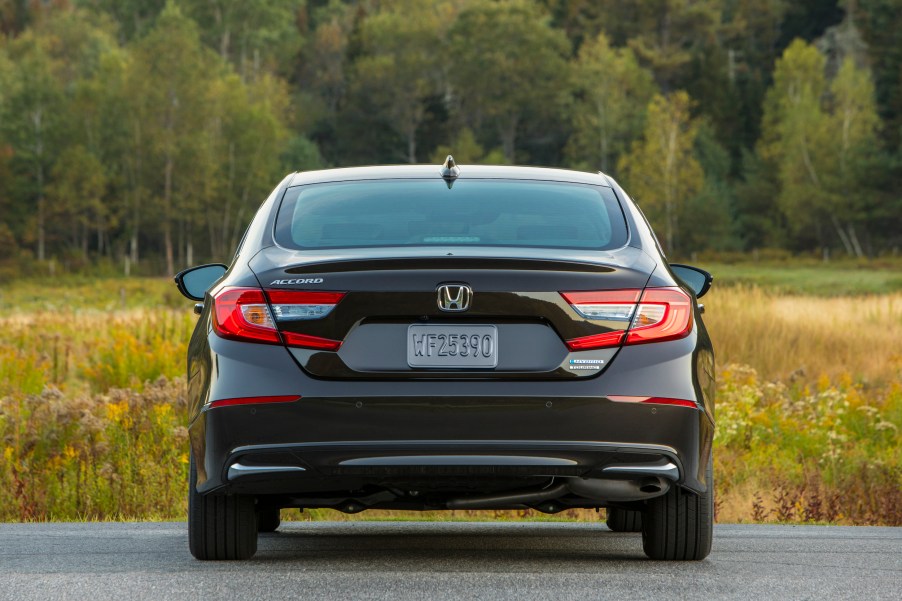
(470, 213)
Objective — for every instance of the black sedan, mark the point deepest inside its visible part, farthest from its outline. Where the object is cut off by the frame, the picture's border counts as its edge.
(444, 337)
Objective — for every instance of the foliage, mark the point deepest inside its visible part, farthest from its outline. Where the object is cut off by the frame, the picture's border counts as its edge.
(76, 457)
(819, 138)
(608, 86)
(466, 149)
(401, 66)
(143, 134)
(93, 415)
(498, 83)
(661, 170)
(810, 277)
(828, 453)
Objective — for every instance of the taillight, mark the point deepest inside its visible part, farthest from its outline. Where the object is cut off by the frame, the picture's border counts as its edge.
(652, 315)
(244, 314)
(299, 305)
(604, 305)
(663, 314)
(308, 341)
(606, 340)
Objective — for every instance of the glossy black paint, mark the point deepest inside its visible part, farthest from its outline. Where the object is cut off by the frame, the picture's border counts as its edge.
(698, 280)
(348, 415)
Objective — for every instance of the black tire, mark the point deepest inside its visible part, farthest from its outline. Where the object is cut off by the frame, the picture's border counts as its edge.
(624, 520)
(679, 526)
(268, 519)
(220, 526)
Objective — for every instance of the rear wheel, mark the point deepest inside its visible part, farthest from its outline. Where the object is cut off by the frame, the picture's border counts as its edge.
(679, 525)
(268, 519)
(624, 520)
(220, 526)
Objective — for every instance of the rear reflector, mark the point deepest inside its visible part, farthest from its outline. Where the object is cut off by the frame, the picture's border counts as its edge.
(244, 314)
(652, 315)
(255, 400)
(652, 400)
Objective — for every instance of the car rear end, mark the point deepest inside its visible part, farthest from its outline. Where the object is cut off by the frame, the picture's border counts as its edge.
(505, 341)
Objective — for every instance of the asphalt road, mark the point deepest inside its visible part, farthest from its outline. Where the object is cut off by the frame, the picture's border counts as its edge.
(429, 560)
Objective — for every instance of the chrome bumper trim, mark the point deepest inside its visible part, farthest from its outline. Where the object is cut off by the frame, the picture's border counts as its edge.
(459, 460)
(665, 470)
(236, 470)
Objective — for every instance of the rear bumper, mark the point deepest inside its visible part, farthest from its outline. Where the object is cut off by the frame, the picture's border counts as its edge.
(317, 445)
(350, 435)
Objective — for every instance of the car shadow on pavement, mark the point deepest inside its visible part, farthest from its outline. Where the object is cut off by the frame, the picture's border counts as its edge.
(474, 546)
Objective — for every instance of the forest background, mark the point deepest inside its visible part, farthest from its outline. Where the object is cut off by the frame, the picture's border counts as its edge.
(139, 136)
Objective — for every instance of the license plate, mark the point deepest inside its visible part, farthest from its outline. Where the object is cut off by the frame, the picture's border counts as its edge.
(452, 346)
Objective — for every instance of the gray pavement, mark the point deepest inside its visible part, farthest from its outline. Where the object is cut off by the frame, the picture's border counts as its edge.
(440, 560)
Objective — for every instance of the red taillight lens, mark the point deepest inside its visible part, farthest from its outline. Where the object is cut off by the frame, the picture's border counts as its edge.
(244, 314)
(653, 315)
(663, 314)
(303, 305)
(606, 340)
(314, 342)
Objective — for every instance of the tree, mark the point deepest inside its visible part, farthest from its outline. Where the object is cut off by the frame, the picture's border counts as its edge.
(713, 204)
(76, 197)
(169, 93)
(7, 80)
(506, 64)
(33, 122)
(247, 139)
(53, 60)
(254, 35)
(853, 127)
(880, 21)
(664, 34)
(134, 17)
(794, 129)
(465, 149)
(741, 65)
(611, 91)
(101, 125)
(819, 148)
(661, 169)
(403, 63)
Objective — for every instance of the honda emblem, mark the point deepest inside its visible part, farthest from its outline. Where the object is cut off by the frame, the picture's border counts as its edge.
(454, 297)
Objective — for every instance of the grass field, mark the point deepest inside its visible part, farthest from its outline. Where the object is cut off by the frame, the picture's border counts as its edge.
(809, 407)
(812, 278)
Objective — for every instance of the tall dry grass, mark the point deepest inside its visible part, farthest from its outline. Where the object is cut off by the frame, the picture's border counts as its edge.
(122, 454)
(805, 338)
(809, 409)
(91, 350)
